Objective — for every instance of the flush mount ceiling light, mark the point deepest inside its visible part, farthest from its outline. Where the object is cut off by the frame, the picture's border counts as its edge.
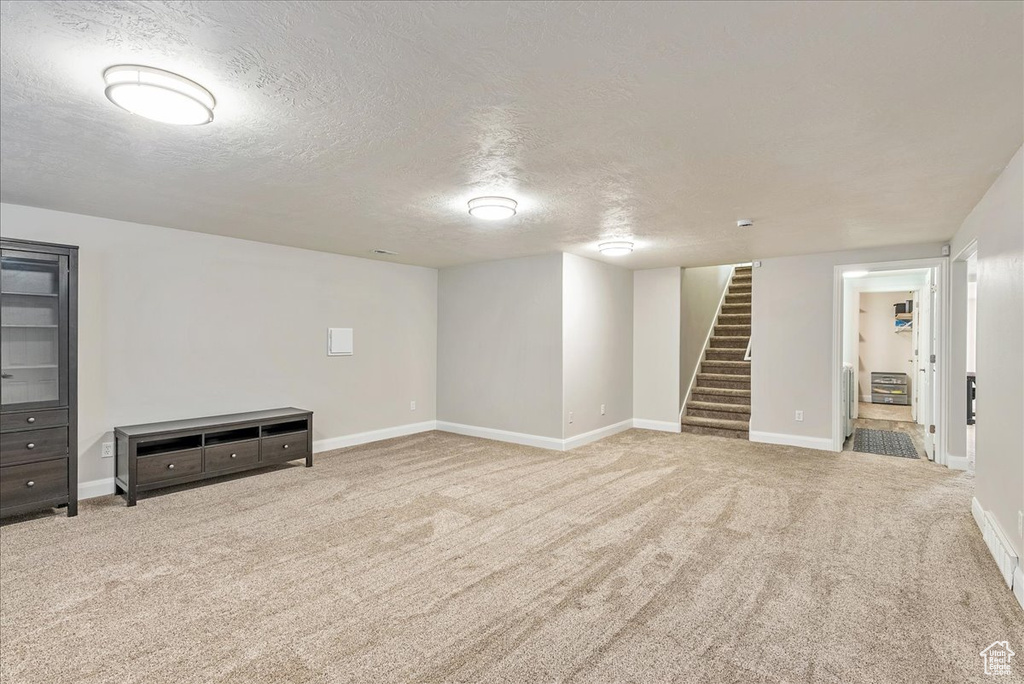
(492, 208)
(615, 248)
(159, 95)
(744, 223)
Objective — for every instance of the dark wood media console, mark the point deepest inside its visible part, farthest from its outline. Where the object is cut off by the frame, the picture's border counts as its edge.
(158, 455)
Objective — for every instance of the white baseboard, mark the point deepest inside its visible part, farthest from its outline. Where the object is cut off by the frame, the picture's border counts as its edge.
(956, 462)
(502, 435)
(998, 545)
(660, 425)
(819, 443)
(332, 443)
(95, 488)
(594, 435)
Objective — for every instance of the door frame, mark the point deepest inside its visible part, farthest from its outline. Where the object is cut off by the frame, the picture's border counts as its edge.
(940, 318)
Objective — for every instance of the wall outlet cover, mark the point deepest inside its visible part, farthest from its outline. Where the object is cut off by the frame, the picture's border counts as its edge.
(412, 405)
(602, 409)
(799, 415)
(570, 416)
(108, 449)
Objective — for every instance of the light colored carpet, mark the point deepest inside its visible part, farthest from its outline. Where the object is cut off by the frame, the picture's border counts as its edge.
(885, 412)
(647, 557)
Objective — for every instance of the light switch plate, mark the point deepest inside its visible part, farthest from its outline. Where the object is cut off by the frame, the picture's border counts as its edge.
(339, 341)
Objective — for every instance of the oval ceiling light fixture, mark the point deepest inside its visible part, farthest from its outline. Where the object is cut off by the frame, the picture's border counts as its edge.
(620, 248)
(492, 208)
(744, 223)
(159, 95)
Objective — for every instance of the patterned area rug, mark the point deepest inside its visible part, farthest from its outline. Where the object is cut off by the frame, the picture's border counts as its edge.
(884, 442)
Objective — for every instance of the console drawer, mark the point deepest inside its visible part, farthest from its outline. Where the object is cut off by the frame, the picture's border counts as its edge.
(32, 420)
(29, 446)
(169, 466)
(287, 447)
(232, 455)
(21, 485)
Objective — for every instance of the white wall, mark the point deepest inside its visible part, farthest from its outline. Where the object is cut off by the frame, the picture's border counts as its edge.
(499, 342)
(656, 346)
(597, 344)
(997, 223)
(972, 327)
(882, 349)
(792, 341)
(702, 290)
(176, 324)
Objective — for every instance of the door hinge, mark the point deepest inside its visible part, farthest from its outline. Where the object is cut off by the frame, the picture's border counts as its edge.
(931, 429)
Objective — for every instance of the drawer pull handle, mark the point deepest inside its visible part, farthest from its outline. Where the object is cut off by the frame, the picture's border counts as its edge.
(170, 466)
(30, 445)
(285, 446)
(31, 419)
(30, 483)
(234, 455)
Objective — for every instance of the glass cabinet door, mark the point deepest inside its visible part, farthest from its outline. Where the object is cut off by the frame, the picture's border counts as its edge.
(33, 328)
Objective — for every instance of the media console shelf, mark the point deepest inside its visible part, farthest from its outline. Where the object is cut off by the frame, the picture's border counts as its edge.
(158, 455)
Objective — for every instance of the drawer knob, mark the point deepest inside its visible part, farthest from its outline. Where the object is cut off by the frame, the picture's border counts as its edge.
(170, 466)
(30, 483)
(285, 446)
(30, 445)
(31, 419)
(234, 455)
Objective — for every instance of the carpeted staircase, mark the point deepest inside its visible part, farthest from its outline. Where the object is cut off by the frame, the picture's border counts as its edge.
(720, 402)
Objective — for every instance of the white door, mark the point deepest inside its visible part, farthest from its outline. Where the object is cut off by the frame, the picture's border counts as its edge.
(915, 335)
(924, 373)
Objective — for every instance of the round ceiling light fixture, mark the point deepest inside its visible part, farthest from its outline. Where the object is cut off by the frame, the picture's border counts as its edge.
(159, 95)
(492, 208)
(620, 248)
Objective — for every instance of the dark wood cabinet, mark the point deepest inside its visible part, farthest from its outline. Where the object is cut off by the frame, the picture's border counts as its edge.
(158, 455)
(38, 376)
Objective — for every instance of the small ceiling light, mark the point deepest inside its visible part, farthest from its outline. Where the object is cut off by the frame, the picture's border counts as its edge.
(744, 223)
(383, 252)
(492, 208)
(855, 274)
(159, 95)
(615, 248)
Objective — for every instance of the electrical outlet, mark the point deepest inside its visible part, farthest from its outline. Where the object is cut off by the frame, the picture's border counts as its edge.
(412, 405)
(602, 409)
(108, 449)
(799, 416)
(570, 416)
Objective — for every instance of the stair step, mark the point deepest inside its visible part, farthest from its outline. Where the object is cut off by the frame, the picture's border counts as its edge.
(712, 426)
(740, 308)
(720, 395)
(740, 288)
(725, 353)
(730, 318)
(732, 330)
(723, 380)
(719, 367)
(744, 269)
(741, 280)
(738, 298)
(730, 342)
(707, 409)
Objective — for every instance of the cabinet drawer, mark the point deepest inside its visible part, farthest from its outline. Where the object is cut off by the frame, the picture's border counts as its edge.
(30, 420)
(26, 484)
(169, 466)
(29, 446)
(280, 448)
(233, 455)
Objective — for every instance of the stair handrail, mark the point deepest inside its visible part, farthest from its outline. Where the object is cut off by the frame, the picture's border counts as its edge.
(707, 341)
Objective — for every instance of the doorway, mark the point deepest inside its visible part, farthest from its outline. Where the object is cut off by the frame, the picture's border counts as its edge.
(887, 349)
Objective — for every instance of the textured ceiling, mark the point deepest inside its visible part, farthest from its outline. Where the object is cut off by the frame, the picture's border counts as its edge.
(344, 127)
